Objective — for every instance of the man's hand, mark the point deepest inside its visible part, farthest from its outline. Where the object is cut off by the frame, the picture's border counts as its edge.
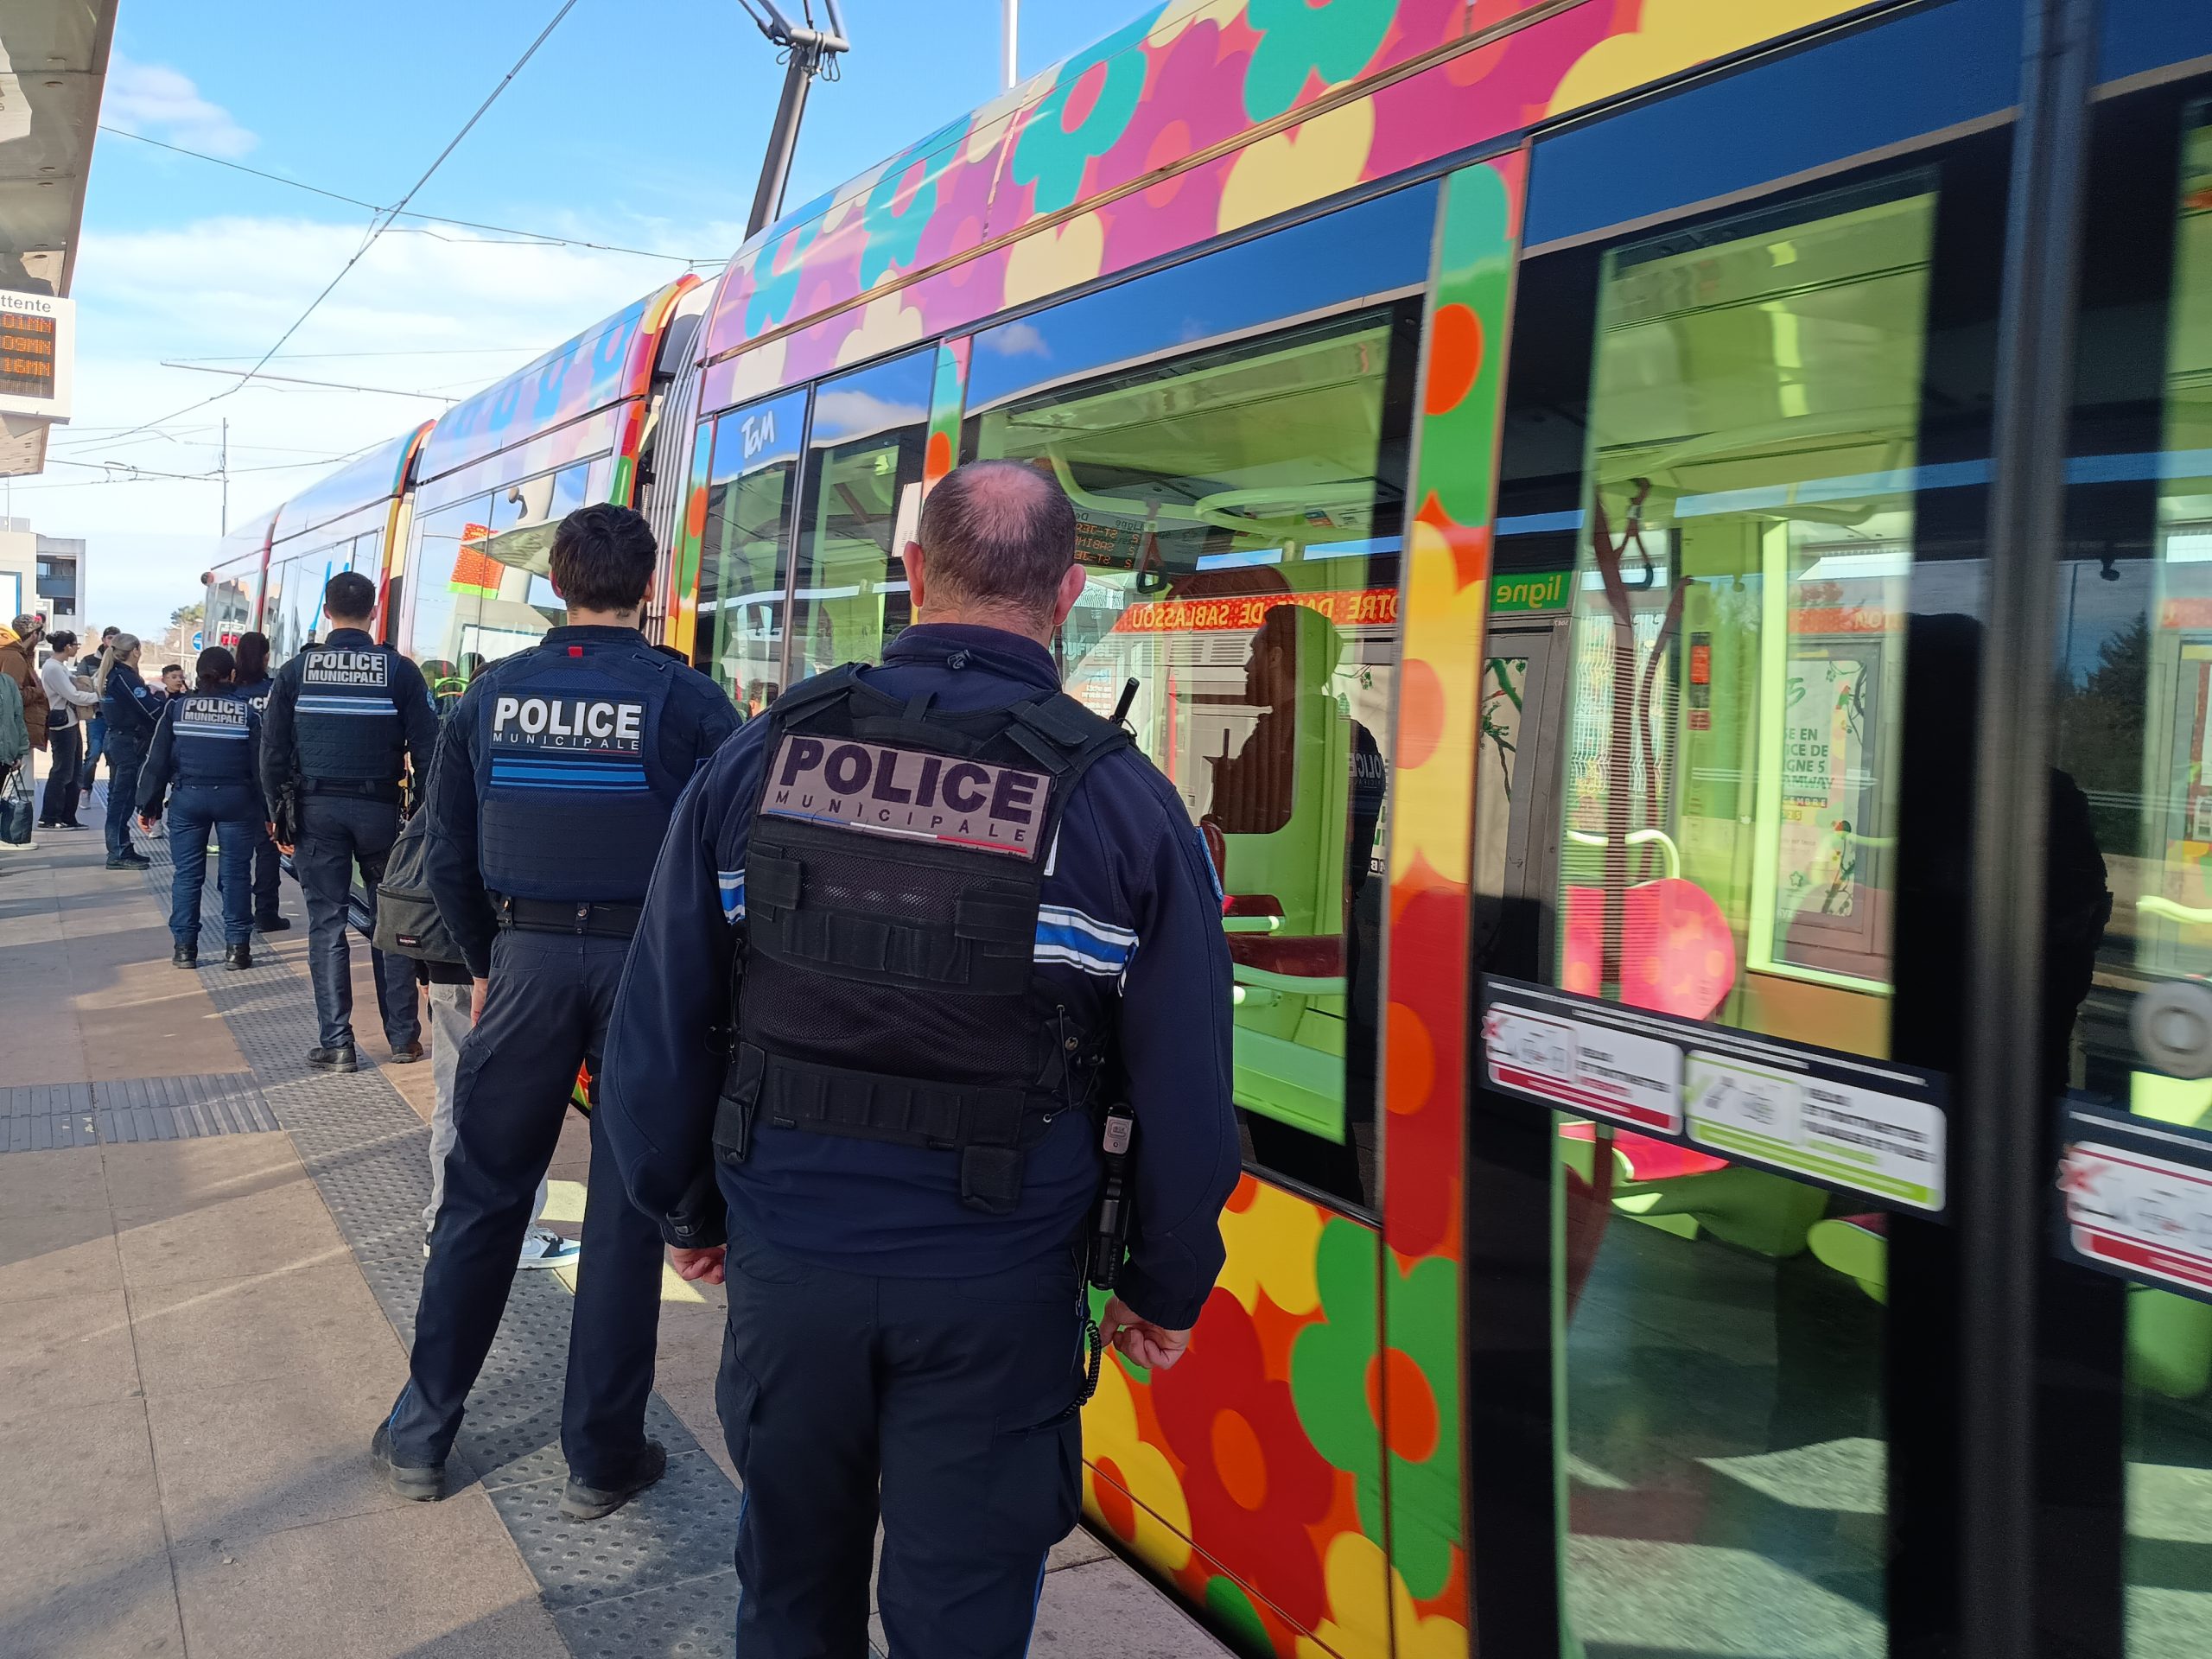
(1153, 1346)
(478, 989)
(283, 847)
(698, 1267)
(146, 824)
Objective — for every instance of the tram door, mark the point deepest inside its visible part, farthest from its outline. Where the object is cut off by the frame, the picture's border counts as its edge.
(1719, 1023)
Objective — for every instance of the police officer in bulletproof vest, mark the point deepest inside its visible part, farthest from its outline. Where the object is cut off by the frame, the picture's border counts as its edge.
(924, 935)
(554, 781)
(346, 718)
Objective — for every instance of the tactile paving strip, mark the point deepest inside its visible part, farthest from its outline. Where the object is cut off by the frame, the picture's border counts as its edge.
(38, 1118)
(652, 1579)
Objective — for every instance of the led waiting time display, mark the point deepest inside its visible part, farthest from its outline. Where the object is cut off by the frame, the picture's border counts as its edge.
(27, 354)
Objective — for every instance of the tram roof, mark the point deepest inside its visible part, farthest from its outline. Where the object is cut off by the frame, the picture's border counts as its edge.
(377, 476)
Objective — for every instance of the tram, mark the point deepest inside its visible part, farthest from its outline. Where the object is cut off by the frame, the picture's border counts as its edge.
(1540, 463)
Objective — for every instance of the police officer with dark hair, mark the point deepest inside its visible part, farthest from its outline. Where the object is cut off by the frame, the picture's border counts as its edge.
(554, 785)
(917, 928)
(346, 718)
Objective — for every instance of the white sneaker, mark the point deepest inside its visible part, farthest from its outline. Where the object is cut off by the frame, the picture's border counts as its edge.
(542, 1247)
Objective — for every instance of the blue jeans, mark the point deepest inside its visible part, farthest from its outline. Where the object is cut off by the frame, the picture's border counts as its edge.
(232, 810)
(95, 740)
(337, 832)
(124, 761)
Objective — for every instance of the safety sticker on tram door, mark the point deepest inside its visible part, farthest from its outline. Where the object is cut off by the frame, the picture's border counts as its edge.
(1864, 1127)
(2136, 1198)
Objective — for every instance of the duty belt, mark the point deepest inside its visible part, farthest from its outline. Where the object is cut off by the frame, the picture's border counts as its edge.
(353, 788)
(594, 917)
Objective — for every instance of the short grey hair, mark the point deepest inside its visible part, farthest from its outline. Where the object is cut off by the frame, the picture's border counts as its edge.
(999, 532)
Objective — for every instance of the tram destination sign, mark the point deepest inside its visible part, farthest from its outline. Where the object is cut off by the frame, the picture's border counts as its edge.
(2134, 1198)
(1871, 1127)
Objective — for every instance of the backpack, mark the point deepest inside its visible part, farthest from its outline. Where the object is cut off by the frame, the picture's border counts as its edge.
(408, 923)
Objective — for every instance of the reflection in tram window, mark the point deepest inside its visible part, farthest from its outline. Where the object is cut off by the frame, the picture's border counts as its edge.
(863, 500)
(2134, 708)
(482, 591)
(746, 549)
(1240, 512)
(1729, 790)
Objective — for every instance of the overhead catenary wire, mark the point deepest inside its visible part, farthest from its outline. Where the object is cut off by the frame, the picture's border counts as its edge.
(545, 238)
(383, 220)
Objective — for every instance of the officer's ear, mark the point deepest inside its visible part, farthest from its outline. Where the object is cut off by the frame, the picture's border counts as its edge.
(1071, 590)
(915, 558)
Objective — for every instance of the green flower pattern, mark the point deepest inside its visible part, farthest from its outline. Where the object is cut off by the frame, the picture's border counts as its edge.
(1329, 1367)
(1054, 161)
(1298, 39)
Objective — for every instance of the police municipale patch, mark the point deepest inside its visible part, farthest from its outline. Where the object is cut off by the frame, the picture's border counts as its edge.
(910, 793)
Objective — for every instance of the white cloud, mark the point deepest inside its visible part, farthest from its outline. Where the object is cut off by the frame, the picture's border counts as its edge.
(163, 103)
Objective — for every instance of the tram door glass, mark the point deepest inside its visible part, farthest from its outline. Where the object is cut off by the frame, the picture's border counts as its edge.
(1240, 510)
(2131, 849)
(482, 590)
(1729, 779)
(863, 500)
(745, 556)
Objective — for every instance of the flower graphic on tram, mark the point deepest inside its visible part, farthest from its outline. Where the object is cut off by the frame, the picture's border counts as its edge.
(1300, 41)
(1254, 1482)
(1083, 117)
(1339, 1378)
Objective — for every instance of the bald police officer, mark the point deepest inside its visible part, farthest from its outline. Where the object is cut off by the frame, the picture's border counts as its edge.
(915, 927)
(556, 777)
(347, 718)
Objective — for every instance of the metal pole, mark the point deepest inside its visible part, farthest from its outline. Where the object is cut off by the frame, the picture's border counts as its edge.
(225, 466)
(783, 138)
(2003, 1188)
(1009, 54)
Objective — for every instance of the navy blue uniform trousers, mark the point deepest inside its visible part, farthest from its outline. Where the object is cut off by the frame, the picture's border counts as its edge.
(336, 833)
(234, 812)
(944, 1401)
(546, 1014)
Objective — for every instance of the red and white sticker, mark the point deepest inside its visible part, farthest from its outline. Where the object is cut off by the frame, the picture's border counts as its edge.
(2143, 1216)
(1585, 1068)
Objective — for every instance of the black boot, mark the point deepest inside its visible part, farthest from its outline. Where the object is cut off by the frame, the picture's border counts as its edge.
(184, 955)
(237, 956)
(333, 1059)
(272, 922)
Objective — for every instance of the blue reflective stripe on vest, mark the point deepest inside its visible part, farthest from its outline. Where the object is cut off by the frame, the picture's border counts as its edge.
(346, 726)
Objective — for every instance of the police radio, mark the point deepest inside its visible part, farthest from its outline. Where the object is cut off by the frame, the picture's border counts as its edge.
(1110, 1237)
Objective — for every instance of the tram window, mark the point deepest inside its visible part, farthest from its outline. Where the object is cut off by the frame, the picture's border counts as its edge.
(1239, 516)
(518, 603)
(452, 572)
(863, 498)
(745, 554)
(1727, 417)
(2130, 909)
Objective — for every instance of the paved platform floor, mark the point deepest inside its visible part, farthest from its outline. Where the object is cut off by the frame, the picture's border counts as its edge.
(201, 1316)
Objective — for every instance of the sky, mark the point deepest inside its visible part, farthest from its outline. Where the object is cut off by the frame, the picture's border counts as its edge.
(639, 125)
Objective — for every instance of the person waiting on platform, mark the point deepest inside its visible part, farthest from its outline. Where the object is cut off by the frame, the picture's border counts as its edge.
(254, 684)
(206, 759)
(130, 710)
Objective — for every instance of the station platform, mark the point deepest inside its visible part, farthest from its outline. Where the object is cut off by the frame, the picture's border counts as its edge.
(209, 1262)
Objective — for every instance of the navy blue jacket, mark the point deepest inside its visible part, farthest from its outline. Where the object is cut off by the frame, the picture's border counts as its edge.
(165, 766)
(1129, 939)
(130, 707)
(694, 723)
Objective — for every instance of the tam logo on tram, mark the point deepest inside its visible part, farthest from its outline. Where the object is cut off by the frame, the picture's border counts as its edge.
(1539, 463)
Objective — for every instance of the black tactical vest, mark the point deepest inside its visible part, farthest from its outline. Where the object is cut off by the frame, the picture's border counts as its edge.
(891, 881)
(212, 732)
(573, 798)
(345, 721)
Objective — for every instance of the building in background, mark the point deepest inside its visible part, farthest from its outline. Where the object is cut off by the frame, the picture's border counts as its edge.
(61, 579)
